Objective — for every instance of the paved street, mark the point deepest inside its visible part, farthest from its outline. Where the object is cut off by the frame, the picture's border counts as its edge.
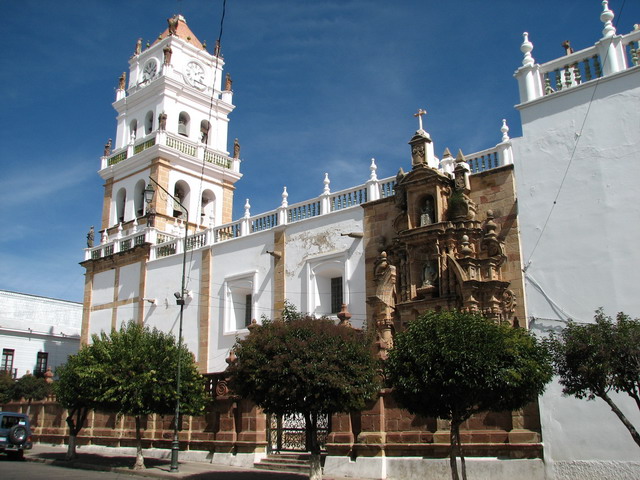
(47, 462)
(17, 470)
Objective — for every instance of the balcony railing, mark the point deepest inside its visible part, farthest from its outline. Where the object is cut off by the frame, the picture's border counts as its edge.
(175, 142)
(165, 244)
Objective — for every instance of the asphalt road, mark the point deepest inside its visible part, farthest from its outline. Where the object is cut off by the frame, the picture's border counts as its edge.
(21, 470)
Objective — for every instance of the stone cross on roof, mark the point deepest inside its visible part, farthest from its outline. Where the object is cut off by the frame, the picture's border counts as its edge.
(420, 113)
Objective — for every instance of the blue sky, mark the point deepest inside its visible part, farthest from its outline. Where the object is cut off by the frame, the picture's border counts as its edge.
(319, 86)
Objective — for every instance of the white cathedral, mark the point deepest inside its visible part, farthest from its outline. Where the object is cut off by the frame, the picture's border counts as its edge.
(168, 252)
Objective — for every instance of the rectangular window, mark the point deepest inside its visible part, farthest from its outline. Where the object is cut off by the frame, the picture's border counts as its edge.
(336, 294)
(41, 363)
(7, 360)
(247, 310)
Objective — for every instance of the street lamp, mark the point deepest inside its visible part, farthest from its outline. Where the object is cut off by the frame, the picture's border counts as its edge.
(149, 193)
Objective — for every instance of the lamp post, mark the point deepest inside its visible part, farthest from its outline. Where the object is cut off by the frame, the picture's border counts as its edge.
(149, 193)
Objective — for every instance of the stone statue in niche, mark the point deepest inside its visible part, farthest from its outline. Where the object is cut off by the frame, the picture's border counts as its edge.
(427, 214)
(429, 274)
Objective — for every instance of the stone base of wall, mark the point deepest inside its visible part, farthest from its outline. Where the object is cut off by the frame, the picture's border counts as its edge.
(593, 470)
(412, 468)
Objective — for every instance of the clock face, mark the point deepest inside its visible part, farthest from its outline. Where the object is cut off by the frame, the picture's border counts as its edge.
(149, 71)
(195, 75)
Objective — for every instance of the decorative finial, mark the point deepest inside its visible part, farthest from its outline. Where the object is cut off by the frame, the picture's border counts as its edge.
(465, 250)
(606, 17)
(446, 153)
(326, 182)
(420, 113)
(505, 131)
(460, 157)
(526, 48)
(247, 207)
(285, 195)
(567, 47)
(373, 177)
(344, 317)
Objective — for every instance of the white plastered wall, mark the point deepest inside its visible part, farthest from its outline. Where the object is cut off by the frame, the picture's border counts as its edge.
(586, 257)
(241, 258)
(317, 240)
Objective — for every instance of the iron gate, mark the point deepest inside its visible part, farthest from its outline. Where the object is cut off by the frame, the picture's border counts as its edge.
(287, 433)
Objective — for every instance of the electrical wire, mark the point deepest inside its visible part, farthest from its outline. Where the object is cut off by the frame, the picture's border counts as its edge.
(573, 151)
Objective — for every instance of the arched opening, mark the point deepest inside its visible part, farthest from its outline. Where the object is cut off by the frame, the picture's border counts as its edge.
(138, 198)
(183, 124)
(204, 131)
(181, 192)
(427, 211)
(148, 123)
(133, 130)
(207, 208)
(121, 201)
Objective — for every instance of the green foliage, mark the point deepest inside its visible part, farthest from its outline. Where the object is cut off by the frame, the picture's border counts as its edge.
(305, 365)
(6, 387)
(79, 381)
(139, 368)
(31, 388)
(592, 359)
(454, 364)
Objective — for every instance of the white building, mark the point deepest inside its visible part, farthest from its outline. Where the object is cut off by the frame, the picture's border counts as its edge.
(579, 113)
(37, 333)
(577, 166)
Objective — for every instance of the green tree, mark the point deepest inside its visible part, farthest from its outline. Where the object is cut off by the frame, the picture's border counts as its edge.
(140, 369)
(6, 387)
(453, 365)
(30, 388)
(78, 388)
(595, 359)
(305, 366)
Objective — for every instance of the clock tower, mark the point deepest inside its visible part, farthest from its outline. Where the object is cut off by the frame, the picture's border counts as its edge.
(172, 122)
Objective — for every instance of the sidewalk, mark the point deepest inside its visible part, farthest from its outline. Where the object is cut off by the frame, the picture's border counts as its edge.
(120, 461)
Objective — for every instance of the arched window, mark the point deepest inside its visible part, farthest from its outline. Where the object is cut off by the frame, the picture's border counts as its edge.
(121, 202)
(207, 208)
(138, 198)
(133, 130)
(183, 124)
(204, 131)
(148, 123)
(181, 192)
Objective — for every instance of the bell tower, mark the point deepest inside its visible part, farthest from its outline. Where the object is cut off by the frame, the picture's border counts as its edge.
(172, 121)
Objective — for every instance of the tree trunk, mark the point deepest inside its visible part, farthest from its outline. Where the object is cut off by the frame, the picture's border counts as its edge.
(74, 429)
(621, 416)
(463, 465)
(315, 467)
(139, 465)
(453, 439)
